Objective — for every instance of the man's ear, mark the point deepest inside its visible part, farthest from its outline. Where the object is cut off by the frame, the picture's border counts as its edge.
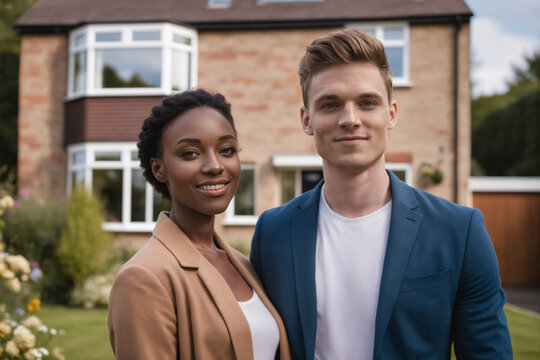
(158, 169)
(392, 120)
(306, 123)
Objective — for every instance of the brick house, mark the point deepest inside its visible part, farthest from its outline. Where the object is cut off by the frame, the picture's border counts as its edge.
(91, 70)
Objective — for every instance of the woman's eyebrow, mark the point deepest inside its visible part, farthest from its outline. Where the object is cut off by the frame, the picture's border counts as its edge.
(189, 140)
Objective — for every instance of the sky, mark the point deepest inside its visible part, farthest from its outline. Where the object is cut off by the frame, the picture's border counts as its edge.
(502, 33)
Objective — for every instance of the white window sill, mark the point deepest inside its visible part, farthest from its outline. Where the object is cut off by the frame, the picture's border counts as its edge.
(132, 227)
(244, 220)
(402, 83)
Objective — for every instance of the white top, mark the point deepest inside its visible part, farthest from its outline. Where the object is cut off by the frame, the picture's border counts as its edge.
(263, 326)
(349, 261)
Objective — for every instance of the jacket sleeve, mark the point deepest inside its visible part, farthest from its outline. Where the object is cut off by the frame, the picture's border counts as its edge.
(480, 330)
(142, 319)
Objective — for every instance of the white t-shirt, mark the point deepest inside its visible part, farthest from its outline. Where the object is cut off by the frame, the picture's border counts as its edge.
(349, 261)
(263, 326)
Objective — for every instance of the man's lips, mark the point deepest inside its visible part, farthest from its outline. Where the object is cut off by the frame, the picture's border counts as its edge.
(351, 139)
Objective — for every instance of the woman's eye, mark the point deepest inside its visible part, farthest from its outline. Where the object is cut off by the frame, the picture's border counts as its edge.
(188, 154)
(229, 151)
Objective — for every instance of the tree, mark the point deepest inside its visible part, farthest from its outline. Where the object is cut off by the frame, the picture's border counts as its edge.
(10, 11)
(506, 127)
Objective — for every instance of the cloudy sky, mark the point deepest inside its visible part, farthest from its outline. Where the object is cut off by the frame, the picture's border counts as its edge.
(502, 32)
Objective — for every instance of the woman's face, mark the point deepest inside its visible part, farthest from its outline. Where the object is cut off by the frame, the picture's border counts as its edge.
(199, 162)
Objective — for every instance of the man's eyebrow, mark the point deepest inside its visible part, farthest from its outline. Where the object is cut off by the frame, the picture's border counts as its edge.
(188, 140)
(325, 97)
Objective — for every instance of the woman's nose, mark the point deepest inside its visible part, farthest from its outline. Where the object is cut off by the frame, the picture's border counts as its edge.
(212, 165)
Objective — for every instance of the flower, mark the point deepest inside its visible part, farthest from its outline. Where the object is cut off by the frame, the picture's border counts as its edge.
(18, 263)
(32, 322)
(14, 285)
(24, 337)
(6, 202)
(34, 354)
(35, 305)
(5, 329)
(7, 274)
(11, 348)
(57, 353)
(36, 274)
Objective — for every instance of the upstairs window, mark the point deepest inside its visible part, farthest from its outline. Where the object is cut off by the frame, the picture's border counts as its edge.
(395, 38)
(127, 60)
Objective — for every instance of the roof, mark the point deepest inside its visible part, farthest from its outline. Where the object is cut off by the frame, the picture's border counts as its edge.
(65, 14)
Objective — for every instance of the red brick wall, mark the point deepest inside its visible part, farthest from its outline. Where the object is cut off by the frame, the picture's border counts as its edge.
(42, 88)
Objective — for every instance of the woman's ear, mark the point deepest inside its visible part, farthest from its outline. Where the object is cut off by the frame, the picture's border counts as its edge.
(158, 169)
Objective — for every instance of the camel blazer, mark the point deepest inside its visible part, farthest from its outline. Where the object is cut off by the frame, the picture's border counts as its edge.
(169, 302)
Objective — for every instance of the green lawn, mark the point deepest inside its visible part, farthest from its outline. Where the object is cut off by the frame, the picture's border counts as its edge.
(87, 337)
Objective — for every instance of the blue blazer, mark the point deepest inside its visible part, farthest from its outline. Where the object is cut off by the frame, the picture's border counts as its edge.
(440, 282)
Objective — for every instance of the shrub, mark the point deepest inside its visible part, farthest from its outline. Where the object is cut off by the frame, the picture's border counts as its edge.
(84, 246)
(32, 229)
(95, 290)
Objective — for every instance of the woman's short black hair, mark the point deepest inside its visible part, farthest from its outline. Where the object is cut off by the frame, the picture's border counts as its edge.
(150, 136)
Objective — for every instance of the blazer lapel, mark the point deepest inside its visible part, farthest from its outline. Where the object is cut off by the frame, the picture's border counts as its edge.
(404, 225)
(304, 241)
(188, 256)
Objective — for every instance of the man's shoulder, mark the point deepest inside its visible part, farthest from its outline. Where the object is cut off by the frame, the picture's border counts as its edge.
(306, 200)
(438, 207)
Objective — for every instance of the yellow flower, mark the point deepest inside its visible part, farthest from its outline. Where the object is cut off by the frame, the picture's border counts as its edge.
(35, 305)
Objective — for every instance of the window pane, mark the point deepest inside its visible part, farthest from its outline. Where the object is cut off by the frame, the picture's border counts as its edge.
(77, 179)
(287, 185)
(160, 204)
(107, 183)
(80, 39)
(395, 60)
(128, 68)
(180, 70)
(138, 185)
(79, 71)
(177, 38)
(77, 158)
(310, 178)
(394, 33)
(244, 200)
(153, 35)
(108, 36)
(134, 156)
(370, 31)
(107, 155)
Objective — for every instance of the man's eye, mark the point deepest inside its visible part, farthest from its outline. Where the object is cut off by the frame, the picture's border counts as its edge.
(368, 103)
(329, 106)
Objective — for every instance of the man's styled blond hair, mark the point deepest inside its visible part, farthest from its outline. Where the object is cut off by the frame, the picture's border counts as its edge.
(343, 47)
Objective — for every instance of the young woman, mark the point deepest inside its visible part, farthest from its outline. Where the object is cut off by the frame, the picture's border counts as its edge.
(186, 294)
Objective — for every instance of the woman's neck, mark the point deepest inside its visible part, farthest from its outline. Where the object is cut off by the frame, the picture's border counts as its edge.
(199, 228)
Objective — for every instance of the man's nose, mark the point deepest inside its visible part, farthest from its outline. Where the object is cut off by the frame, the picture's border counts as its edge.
(350, 117)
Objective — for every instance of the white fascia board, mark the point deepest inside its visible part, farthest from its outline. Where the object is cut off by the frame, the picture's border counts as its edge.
(297, 160)
(504, 184)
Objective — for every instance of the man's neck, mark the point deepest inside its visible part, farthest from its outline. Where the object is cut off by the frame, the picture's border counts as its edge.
(355, 194)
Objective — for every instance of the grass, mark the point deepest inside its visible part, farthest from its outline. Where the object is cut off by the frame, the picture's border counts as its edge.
(87, 336)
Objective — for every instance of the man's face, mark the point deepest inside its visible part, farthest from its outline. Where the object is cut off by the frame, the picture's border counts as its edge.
(349, 115)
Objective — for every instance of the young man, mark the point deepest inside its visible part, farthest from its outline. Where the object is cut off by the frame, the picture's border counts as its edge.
(364, 266)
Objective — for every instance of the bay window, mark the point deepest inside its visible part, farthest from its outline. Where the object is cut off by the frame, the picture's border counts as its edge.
(112, 171)
(131, 59)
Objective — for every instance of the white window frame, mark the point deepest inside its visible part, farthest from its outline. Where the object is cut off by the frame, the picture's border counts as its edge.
(309, 161)
(243, 220)
(126, 164)
(219, 4)
(405, 80)
(165, 44)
